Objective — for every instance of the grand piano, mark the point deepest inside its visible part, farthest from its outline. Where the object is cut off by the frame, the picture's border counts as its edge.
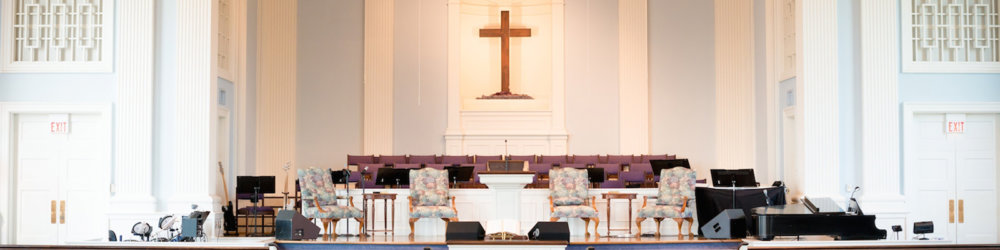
(815, 217)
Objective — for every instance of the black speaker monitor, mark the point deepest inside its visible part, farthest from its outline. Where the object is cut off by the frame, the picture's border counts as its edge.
(290, 225)
(544, 230)
(729, 224)
(464, 230)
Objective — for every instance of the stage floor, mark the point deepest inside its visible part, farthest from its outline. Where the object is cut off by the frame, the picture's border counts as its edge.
(577, 242)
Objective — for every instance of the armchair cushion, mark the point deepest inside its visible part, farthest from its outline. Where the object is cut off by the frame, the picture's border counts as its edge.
(675, 184)
(579, 211)
(664, 212)
(429, 187)
(433, 212)
(568, 186)
(332, 212)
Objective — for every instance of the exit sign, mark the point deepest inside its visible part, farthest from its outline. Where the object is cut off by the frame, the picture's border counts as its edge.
(59, 123)
(955, 123)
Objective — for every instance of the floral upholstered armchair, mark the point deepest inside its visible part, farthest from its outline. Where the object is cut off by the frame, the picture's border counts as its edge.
(676, 192)
(319, 200)
(429, 196)
(568, 197)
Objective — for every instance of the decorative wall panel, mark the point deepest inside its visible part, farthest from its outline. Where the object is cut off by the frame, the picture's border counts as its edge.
(633, 78)
(951, 36)
(735, 125)
(57, 35)
(227, 45)
(817, 108)
(787, 40)
(276, 88)
(378, 77)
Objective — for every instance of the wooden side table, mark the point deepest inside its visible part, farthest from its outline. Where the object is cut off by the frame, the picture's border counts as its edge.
(615, 195)
(389, 199)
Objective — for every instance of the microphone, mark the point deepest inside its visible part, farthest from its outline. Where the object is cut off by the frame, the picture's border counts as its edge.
(767, 200)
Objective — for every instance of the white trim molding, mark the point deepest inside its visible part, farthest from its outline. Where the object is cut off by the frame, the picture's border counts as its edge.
(816, 87)
(961, 36)
(228, 38)
(133, 164)
(735, 112)
(633, 77)
(7, 112)
(66, 36)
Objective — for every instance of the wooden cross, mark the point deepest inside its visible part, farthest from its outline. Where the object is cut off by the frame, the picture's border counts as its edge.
(504, 33)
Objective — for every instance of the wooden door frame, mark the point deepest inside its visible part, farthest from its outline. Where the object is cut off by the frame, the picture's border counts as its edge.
(7, 112)
(911, 109)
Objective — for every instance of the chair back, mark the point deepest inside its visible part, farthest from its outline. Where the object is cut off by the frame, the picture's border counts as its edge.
(568, 186)
(429, 187)
(317, 184)
(676, 183)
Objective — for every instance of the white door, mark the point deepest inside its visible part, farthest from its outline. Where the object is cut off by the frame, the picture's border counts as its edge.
(976, 183)
(955, 179)
(62, 180)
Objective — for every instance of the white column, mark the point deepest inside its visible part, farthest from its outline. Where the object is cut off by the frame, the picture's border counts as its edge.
(734, 80)
(276, 86)
(134, 108)
(378, 77)
(816, 89)
(633, 77)
(195, 172)
(880, 104)
(453, 133)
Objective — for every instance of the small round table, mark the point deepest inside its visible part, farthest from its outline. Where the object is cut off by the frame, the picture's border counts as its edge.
(615, 195)
(388, 199)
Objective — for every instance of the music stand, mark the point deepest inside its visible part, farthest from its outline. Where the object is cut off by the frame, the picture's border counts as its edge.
(459, 174)
(595, 175)
(505, 166)
(733, 177)
(392, 176)
(256, 185)
(660, 165)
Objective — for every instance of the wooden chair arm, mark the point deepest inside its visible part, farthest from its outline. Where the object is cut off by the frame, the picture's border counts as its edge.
(593, 202)
(644, 199)
(552, 207)
(409, 201)
(350, 200)
(684, 204)
(453, 205)
(318, 207)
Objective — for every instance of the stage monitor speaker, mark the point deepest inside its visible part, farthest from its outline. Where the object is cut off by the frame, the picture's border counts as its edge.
(729, 224)
(544, 230)
(464, 230)
(290, 225)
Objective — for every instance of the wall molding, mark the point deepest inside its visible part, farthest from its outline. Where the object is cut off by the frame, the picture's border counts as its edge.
(228, 34)
(276, 86)
(735, 126)
(880, 105)
(88, 49)
(378, 131)
(633, 77)
(195, 172)
(816, 87)
(134, 108)
(956, 50)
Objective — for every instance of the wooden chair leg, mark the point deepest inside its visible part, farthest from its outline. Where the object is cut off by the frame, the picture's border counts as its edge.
(334, 232)
(658, 220)
(690, 224)
(412, 220)
(326, 228)
(553, 219)
(597, 221)
(680, 224)
(638, 224)
(586, 226)
(361, 226)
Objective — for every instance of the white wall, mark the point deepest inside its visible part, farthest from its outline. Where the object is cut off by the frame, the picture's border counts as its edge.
(329, 95)
(592, 76)
(682, 80)
(420, 87)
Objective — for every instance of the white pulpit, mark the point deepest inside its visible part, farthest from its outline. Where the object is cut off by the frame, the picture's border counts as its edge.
(506, 187)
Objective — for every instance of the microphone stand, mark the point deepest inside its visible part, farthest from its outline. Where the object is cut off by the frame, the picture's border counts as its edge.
(506, 157)
(734, 193)
(364, 202)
